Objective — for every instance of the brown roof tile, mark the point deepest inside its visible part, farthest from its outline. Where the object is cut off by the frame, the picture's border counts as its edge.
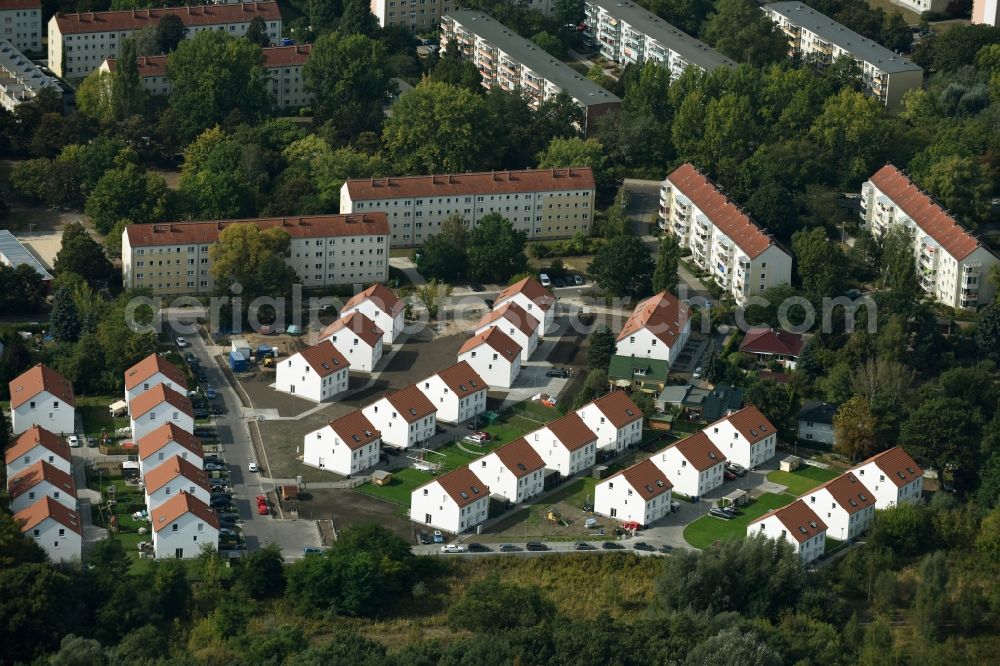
(148, 367)
(41, 471)
(646, 479)
(37, 436)
(137, 19)
(160, 393)
(699, 450)
(848, 491)
(801, 522)
(520, 457)
(166, 433)
(411, 404)
(314, 226)
(177, 506)
(40, 378)
(618, 408)
(274, 57)
(513, 313)
(360, 324)
(750, 423)
(20, 4)
(381, 296)
(663, 315)
(500, 342)
(572, 432)
(462, 379)
(355, 430)
(531, 288)
(170, 469)
(463, 486)
(897, 465)
(768, 341)
(324, 358)
(48, 508)
(465, 184)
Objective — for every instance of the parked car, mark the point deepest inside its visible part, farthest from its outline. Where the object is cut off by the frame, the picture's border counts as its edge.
(476, 287)
(218, 409)
(262, 508)
(697, 373)
(612, 545)
(228, 531)
(558, 282)
(536, 545)
(719, 513)
(189, 358)
(508, 548)
(674, 505)
(253, 467)
(452, 548)
(562, 373)
(213, 467)
(222, 494)
(311, 550)
(544, 279)
(212, 395)
(665, 549)
(729, 476)
(201, 413)
(731, 510)
(578, 280)
(202, 376)
(425, 538)
(489, 302)
(583, 545)
(212, 458)
(438, 537)
(737, 469)
(219, 502)
(182, 343)
(73, 441)
(477, 548)
(477, 438)
(642, 545)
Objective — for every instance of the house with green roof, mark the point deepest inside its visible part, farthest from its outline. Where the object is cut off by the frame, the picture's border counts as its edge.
(638, 374)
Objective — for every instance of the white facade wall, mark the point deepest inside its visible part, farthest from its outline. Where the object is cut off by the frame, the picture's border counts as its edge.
(295, 376)
(546, 318)
(615, 498)
(166, 452)
(451, 408)
(528, 343)
(430, 505)
(391, 326)
(736, 448)
(358, 353)
(47, 411)
(814, 431)
(174, 486)
(22, 27)
(773, 528)
(157, 378)
(322, 448)
(156, 417)
(184, 538)
(685, 477)
(610, 438)
(492, 366)
(396, 430)
(39, 491)
(888, 494)
(840, 524)
(643, 344)
(557, 456)
(33, 456)
(491, 470)
(60, 543)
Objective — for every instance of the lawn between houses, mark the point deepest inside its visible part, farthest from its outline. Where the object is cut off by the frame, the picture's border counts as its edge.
(705, 531)
(804, 479)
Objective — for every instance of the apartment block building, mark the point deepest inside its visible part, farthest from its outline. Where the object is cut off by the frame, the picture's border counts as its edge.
(816, 37)
(986, 12)
(21, 24)
(79, 43)
(423, 15)
(283, 65)
(20, 79)
(742, 258)
(626, 33)
(326, 250)
(953, 266)
(543, 203)
(511, 62)
(921, 6)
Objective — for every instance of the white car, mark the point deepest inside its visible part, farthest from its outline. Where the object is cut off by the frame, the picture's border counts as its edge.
(452, 548)
(253, 467)
(182, 343)
(73, 441)
(697, 373)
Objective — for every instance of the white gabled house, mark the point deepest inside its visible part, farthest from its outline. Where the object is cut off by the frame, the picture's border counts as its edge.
(458, 392)
(41, 396)
(173, 476)
(405, 418)
(494, 355)
(149, 372)
(383, 307)
(534, 299)
(38, 481)
(346, 446)
(54, 527)
(658, 328)
(694, 465)
(454, 502)
(161, 404)
(516, 323)
(165, 442)
(37, 444)
(515, 471)
(615, 420)
(798, 525)
(893, 477)
(745, 437)
(317, 373)
(845, 505)
(358, 339)
(639, 494)
(566, 445)
(182, 526)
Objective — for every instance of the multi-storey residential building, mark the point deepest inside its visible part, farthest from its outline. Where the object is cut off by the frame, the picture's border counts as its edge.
(638, 494)
(798, 525)
(630, 34)
(615, 420)
(21, 24)
(921, 6)
(422, 15)
(405, 418)
(20, 79)
(283, 65)
(41, 396)
(543, 203)
(453, 502)
(845, 504)
(986, 12)
(723, 240)
(893, 477)
(510, 62)
(515, 471)
(818, 38)
(79, 43)
(348, 445)
(658, 328)
(326, 250)
(953, 266)
(694, 465)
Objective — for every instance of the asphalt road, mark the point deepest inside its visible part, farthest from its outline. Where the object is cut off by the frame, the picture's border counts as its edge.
(553, 547)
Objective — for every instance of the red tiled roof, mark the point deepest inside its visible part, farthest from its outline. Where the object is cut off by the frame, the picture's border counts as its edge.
(411, 404)
(37, 436)
(381, 296)
(801, 522)
(166, 433)
(177, 506)
(148, 367)
(520, 457)
(462, 379)
(750, 423)
(463, 486)
(360, 324)
(932, 219)
(699, 450)
(274, 57)
(137, 19)
(324, 358)
(897, 465)
(37, 379)
(20, 4)
(48, 508)
(458, 184)
(768, 341)
(663, 315)
(618, 408)
(495, 338)
(513, 313)
(41, 471)
(160, 393)
(170, 469)
(531, 288)
(313, 226)
(848, 491)
(572, 432)
(646, 479)
(355, 430)
(723, 213)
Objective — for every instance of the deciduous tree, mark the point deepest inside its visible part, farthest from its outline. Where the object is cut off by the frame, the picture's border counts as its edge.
(257, 32)
(602, 347)
(128, 192)
(445, 255)
(854, 429)
(741, 31)
(667, 261)
(496, 249)
(623, 267)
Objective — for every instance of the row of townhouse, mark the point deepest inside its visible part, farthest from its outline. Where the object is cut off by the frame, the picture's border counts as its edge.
(543, 203)
(79, 43)
(516, 472)
(509, 62)
(422, 15)
(629, 34)
(20, 79)
(325, 250)
(844, 507)
(282, 65)
(818, 38)
(953, 266)
(722, 239)
(21, 24)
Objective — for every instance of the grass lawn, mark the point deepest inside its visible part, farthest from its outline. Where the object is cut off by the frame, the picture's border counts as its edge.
(93, 410)
(404, 482)
(455, 457)
(705, 531)
(803, 479)
(511, 428)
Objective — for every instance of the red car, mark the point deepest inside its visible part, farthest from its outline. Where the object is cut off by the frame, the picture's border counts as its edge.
(262, 507)
(729, 475)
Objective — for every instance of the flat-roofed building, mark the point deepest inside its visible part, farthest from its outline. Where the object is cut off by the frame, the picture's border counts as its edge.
(13, 254)
(818, 38)
(510, 62)
(21, 24)
(173, 258)
(543, 203)
(20, 79)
